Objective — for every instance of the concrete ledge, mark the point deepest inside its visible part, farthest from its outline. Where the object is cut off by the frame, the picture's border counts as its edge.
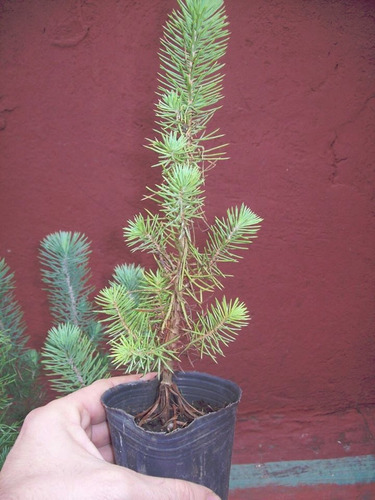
(340, 471)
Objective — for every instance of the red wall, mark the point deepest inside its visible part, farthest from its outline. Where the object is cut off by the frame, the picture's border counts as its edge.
(78, 83)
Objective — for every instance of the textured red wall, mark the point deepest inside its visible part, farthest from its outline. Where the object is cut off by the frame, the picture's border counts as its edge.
(78, 83)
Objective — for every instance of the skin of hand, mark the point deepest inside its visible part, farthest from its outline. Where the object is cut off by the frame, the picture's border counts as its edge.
(63, 452)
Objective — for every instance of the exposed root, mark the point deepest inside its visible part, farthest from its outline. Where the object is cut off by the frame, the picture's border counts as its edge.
(170, 411)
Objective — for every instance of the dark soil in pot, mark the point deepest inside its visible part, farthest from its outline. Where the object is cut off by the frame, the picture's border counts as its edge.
(157, 425)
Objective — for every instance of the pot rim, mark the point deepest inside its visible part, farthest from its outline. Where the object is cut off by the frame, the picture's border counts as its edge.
(187, 375)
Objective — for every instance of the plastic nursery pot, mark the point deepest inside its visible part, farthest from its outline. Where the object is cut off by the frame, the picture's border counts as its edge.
(200, 452)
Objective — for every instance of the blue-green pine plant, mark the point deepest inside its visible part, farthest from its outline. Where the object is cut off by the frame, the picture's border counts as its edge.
(72, 353)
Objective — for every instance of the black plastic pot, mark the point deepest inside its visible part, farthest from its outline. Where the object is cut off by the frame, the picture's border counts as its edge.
(200, 452)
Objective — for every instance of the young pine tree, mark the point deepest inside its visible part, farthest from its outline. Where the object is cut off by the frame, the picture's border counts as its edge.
(20, 387)
(155, 317)
(71, 354)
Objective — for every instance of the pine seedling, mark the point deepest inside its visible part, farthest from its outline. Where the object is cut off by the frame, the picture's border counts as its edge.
(71, 354)
(155, 317)
(20, 387)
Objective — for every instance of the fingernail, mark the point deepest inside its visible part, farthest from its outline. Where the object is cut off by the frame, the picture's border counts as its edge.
(212, 496)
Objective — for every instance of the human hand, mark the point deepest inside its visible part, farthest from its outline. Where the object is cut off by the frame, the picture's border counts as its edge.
(63, 452)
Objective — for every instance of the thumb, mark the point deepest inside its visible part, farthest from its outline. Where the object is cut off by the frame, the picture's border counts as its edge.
(157, 488)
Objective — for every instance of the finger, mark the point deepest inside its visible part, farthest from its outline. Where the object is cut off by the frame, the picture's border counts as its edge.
(107, 453)
(99, 434)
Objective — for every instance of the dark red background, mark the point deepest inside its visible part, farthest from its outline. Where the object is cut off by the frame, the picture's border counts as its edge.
(78, 83)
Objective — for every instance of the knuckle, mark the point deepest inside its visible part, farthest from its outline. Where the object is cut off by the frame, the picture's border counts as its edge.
(32, 418)
(39, 418)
